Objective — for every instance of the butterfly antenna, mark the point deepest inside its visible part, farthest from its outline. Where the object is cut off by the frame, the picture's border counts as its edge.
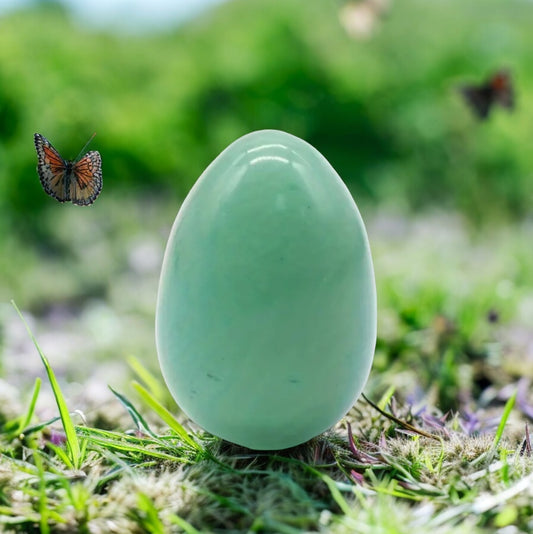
(85, 146)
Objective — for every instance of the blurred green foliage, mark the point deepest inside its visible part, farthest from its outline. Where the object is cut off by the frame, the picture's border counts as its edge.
(384, 110)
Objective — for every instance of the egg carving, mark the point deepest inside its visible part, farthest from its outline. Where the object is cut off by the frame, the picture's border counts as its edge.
(266, 311)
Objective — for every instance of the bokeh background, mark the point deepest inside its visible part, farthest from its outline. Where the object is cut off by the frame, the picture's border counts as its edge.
(166, 86)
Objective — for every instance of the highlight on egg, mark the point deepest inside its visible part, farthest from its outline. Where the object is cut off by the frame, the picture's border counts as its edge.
(266, 310)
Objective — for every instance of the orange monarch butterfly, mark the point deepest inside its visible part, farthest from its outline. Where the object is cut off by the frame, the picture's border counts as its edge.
(78, 181)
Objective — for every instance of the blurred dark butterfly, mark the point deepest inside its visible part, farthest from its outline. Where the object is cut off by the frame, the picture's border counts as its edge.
(498, 89)
(78, 181)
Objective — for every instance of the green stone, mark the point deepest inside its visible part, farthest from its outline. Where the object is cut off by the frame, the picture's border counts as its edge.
(266, 312)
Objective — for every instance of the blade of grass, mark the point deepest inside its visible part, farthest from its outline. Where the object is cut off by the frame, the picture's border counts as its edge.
(138, 419)
(14, 428)
(129, 445)
(334, 490)
(484, 503)
(149, 516)
(166, 416)
(137, 453)
(403, 424)
(151, 382)
(73, 445)
(31, 408)
(8, 516)
(38, 427)
(61, 454)
(43, 508)
(386, 397)
(184, 525)
(489, 454)
(509, 405)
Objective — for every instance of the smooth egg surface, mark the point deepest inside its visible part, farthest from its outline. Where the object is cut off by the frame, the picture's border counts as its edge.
(266, 312)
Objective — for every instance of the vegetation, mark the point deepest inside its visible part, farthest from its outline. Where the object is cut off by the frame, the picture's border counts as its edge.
(385, 111)
(419, 472)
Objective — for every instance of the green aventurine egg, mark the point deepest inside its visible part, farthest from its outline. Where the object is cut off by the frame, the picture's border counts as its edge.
(266, 313)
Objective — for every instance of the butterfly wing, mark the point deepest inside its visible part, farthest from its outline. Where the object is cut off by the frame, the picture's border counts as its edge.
(502, 88)
(480, 99)
(52, 169)
(87, 179)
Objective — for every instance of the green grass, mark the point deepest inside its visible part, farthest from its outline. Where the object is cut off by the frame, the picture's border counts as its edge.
(170, 480)
(385, 477)
(73, 457)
